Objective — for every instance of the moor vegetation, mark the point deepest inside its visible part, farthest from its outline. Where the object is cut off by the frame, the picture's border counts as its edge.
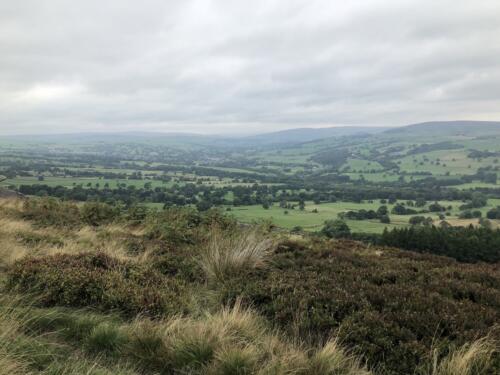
(102, 289)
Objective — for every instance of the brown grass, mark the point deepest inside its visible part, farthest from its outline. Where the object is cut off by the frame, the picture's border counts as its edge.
(235, 341)
(471, 359)
(228, 254)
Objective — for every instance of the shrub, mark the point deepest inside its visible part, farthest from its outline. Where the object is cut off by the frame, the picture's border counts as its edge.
(181, 225)
(97, 280)
(96, 213)
(51, 211)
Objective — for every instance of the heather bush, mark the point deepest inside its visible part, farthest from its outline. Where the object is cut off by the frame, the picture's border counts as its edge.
(51, 211)
(98, 280)
(180, 226)
(389, 306)
(97, 213)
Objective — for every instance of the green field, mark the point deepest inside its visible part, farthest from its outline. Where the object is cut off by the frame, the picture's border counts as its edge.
(311, 221)
(333, 170)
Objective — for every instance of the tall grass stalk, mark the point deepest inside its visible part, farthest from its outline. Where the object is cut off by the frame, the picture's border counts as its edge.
(227, 254)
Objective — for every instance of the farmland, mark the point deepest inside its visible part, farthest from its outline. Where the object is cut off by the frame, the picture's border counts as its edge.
(291, 183)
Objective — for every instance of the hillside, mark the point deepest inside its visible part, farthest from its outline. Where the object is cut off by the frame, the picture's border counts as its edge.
(102, 289)
(447, 129)
(301, 135)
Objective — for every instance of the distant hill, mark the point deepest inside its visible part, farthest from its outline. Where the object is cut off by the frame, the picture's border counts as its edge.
(103, 137)
(124, 137)
(427, 131)
(447, 128)
(308, 134)
(290, 136)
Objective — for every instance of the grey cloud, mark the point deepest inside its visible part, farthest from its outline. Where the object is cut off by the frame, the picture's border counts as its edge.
(239, 66)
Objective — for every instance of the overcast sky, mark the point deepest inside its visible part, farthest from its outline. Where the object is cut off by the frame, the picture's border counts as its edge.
(245, 66)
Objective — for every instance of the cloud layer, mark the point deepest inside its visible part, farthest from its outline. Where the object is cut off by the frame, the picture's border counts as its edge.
(245, 66)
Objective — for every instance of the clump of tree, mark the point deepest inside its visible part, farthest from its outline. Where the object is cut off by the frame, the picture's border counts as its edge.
(381, 214)
(494, 213)
(420, 220)
(470, 214)
(336, 229)
(399, 209)
(466, 244)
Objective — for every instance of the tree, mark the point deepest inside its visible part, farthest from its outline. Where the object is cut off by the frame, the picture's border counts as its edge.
(203, 205)
(382, 210)
(494, 213)
(336, 229)
(420, 202)
(302, 205)
(415, 220)
(385, 219)
(436, 207)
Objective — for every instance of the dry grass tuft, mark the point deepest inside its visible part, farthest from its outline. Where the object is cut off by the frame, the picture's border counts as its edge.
(333, 359)
(233, 341)
(227, 254)
(10, 251)
(9, 226)
(471, 359)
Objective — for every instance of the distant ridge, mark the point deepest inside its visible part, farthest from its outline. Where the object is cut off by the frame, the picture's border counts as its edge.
(282, 137)
(301, 135)
(462, 127)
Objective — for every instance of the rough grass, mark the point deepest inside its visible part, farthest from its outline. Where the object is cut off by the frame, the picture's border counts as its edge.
(226, 255)
(474, 358)
(233, 340)
(26, 351)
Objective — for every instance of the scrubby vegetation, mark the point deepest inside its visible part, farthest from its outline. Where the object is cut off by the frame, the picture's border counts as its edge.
(389, 305)
(97, 280)
(127, 290)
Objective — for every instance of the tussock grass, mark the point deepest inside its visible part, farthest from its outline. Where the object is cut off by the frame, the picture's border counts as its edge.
(232, 341)
(333, 359)
(10, 226)
(227, 254)
(11, 252)
(105, 338)
(11, 207)
(10, 362)
(29, 342)
(470, 359)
